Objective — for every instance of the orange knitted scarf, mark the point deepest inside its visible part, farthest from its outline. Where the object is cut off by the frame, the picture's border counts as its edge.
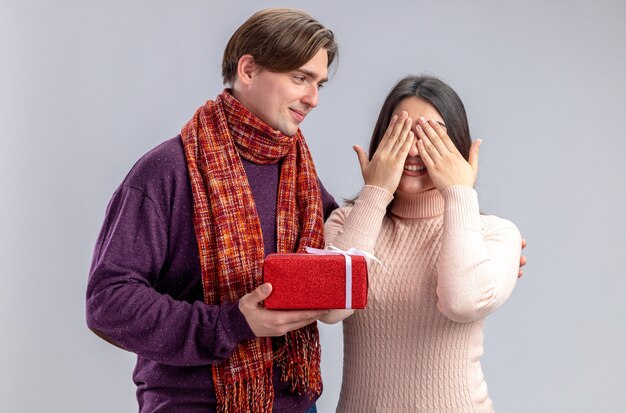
(230, 241)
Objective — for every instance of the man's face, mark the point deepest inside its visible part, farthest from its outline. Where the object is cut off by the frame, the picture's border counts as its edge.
(283, 100)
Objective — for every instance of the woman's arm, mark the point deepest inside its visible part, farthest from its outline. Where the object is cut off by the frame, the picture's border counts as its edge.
(478, 263)
(356, 227)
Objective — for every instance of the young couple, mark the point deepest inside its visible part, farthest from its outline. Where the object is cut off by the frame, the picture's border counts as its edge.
(177, 269)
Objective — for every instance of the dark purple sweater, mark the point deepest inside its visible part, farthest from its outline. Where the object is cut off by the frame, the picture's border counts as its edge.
(145, 289)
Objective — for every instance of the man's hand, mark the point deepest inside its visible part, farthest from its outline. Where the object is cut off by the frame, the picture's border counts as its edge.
(273, 323)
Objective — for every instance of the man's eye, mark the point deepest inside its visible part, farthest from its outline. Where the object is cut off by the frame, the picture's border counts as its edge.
(320, 86)
(299, 78)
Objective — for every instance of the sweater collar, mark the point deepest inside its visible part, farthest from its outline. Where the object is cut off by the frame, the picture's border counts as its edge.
(426, 204)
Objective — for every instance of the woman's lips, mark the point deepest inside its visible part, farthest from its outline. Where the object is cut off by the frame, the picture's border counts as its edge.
(414, 170)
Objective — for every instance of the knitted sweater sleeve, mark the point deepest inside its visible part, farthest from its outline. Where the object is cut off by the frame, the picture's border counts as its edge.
(478, 262)
(126, 304)
(358, 226)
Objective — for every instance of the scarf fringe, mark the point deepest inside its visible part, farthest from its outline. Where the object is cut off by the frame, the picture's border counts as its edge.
(250, 396)
(299, 360)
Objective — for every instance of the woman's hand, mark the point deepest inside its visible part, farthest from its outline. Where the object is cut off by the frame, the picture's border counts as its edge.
(385, 168)
(522, 260)
(335, 316)
(446, 166)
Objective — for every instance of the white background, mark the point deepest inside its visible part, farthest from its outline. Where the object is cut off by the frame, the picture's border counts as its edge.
(87, 87)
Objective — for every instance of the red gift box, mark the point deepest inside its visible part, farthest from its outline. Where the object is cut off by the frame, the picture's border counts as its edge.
(311, 281)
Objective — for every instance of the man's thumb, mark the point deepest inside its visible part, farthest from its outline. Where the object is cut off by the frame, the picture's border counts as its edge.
(262, 292)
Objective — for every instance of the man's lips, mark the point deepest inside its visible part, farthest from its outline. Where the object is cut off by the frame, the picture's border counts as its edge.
(299, 115)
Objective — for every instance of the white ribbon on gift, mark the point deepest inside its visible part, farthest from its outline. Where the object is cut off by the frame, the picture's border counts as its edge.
(352, 251)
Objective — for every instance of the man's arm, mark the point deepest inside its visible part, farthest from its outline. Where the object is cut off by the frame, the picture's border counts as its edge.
(328, 202)
(124, 305)
(125, 308)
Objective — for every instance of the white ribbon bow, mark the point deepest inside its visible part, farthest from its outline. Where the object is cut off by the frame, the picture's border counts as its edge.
(352, 251)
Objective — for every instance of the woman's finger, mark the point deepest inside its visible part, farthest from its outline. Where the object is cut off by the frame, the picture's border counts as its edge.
(404, 149)
(443, 134)
(403, 135)
(473, 154)
(398, 127)
(384, 142)
(362, 156)
(428, 161)
(429, 148)
(433, 136)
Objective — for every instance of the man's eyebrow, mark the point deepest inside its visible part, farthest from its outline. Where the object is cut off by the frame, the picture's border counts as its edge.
(311, 75)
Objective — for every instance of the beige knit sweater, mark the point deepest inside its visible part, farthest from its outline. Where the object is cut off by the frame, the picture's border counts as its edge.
(417, 346)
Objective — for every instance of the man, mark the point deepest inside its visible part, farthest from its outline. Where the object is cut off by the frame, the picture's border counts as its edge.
(176, 271)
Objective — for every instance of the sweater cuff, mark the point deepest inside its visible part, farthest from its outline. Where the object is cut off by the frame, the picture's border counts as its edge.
(461, 207)
(369, 210)
(235, 324)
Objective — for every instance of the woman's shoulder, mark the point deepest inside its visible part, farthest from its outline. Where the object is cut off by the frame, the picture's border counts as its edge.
(493, 224)
(340, 213)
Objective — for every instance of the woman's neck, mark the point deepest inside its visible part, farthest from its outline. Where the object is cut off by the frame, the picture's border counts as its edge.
(427, 204)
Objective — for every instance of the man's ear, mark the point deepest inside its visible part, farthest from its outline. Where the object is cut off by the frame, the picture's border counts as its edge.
(246, 69)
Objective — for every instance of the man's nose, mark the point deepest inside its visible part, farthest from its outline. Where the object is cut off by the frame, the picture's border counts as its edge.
(311, 96)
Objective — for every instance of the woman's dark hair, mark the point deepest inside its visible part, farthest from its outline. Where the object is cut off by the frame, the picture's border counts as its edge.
(435, 92)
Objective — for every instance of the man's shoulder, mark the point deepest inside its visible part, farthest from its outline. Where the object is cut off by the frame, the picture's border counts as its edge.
(164, 157)
(163, 163)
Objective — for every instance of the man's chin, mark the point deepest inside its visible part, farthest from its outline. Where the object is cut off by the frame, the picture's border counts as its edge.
(289, 131)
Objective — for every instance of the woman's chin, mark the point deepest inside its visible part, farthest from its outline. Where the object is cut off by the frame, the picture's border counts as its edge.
(414, 186)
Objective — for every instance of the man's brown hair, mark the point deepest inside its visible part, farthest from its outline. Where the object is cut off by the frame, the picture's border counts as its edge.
(280, 40)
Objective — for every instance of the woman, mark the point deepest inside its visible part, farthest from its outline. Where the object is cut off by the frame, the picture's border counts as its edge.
(417, 346)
